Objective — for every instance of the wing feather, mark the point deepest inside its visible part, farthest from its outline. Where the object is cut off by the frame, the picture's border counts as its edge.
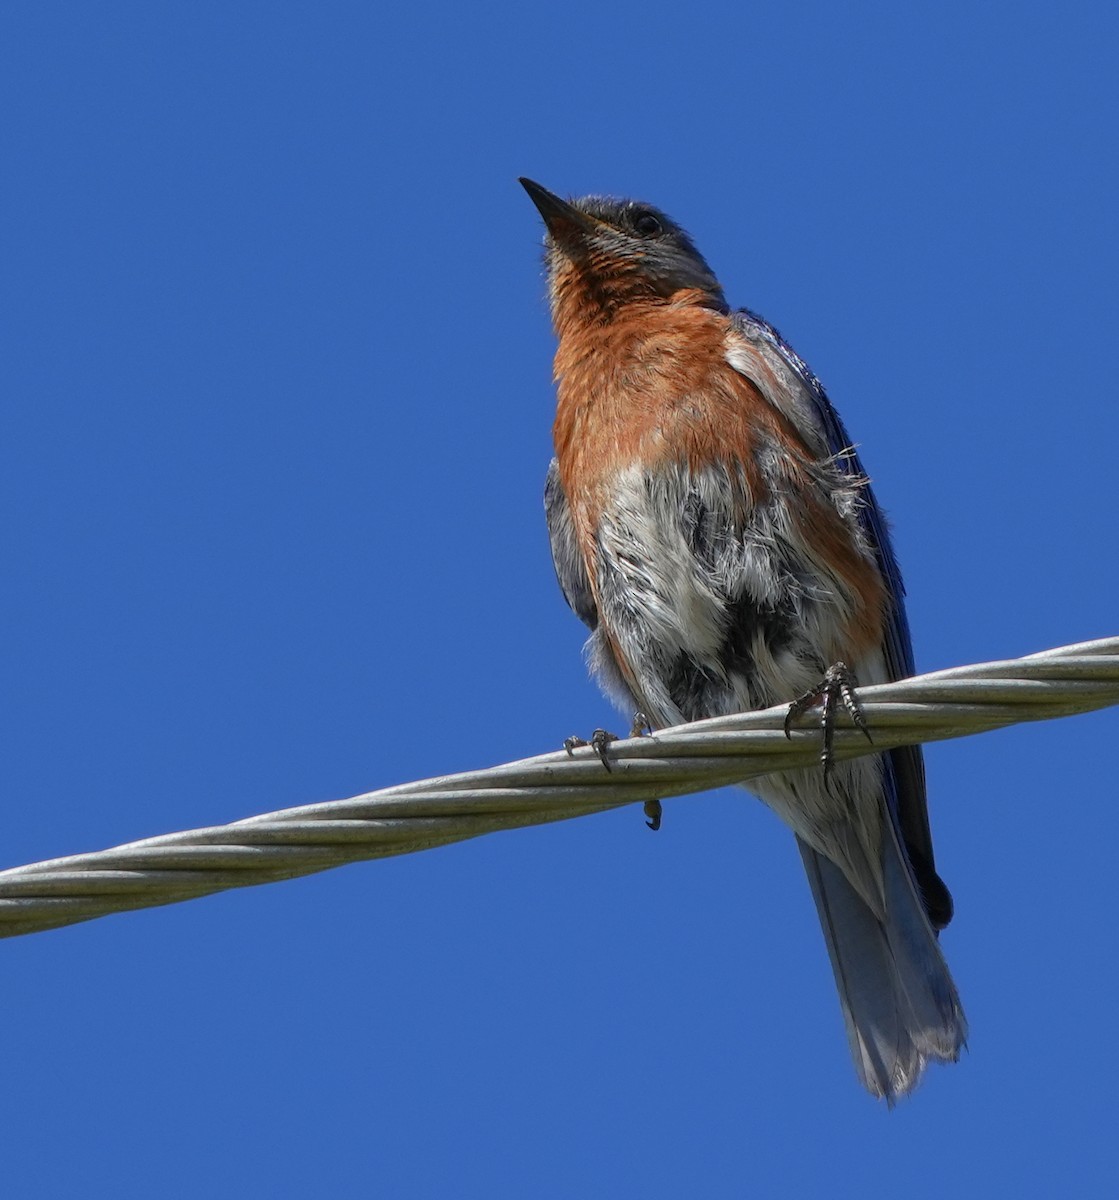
(802, 397)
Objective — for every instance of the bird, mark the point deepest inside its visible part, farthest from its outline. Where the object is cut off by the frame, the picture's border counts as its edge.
(711, 523)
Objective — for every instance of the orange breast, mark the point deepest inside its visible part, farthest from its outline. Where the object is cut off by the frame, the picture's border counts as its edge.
(651, 386)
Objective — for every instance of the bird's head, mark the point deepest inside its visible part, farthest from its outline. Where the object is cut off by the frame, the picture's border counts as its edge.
(603, 254)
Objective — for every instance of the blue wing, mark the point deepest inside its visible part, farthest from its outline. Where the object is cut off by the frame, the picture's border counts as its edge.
(906, 779)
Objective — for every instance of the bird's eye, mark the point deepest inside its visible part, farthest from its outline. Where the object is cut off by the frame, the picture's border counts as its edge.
(646, 224)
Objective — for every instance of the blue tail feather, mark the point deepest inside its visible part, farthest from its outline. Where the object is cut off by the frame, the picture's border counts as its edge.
(900, 1006)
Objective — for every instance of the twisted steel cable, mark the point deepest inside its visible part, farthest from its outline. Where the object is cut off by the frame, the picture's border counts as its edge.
(551, 787)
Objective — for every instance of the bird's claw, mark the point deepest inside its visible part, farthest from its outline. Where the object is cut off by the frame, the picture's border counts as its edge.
(838, 684)
(600, 739)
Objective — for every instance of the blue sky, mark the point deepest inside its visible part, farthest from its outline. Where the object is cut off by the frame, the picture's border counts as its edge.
(277, 411)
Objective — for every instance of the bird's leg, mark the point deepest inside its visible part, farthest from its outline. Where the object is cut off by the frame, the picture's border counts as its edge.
(838, 684)
(639, 726)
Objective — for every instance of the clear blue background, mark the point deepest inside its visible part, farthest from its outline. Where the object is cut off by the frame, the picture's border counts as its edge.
(276, 415)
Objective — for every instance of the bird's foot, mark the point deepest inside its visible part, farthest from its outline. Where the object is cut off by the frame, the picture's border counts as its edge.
(598, 742)
(639, 727)
(837, 685)
(601, 739)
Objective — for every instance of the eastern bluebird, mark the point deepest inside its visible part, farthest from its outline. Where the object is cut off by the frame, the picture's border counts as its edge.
(711, 523)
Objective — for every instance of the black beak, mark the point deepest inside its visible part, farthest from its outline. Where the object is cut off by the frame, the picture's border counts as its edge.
(565, 222)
